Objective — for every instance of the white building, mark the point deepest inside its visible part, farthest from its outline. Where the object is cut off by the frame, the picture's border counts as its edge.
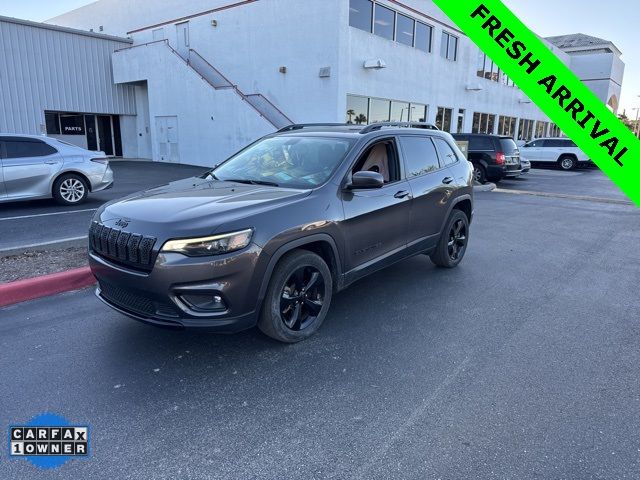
(212, 75)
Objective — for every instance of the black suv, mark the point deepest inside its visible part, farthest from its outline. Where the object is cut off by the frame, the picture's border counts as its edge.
(494, 157)
(269, 235)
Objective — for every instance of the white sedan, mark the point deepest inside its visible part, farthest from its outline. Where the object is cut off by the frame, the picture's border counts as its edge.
(41, 167)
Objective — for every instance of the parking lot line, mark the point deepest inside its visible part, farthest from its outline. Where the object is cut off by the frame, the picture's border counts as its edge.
(48, 214)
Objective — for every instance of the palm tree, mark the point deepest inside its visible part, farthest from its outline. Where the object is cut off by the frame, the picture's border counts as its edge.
(351, 112)
(360, 119)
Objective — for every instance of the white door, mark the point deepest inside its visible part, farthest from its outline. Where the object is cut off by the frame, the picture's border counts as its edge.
(167, 139)
(182, 32)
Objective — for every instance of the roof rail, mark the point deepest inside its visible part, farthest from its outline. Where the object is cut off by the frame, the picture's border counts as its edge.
(379, 126)
(300, 126)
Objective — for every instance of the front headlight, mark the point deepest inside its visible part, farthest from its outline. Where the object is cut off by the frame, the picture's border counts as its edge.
(214, 245)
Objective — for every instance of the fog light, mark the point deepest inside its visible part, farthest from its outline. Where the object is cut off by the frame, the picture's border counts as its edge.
(205, 302)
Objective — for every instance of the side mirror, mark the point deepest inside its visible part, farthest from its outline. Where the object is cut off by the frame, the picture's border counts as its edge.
(363, 180)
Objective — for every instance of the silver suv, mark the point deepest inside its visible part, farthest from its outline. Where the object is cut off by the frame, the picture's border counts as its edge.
(41, 167)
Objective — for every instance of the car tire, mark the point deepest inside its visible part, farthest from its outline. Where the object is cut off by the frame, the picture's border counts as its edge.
(567, 162)
(298, 297)
(453, 242)
(479, 174)
(70, 189)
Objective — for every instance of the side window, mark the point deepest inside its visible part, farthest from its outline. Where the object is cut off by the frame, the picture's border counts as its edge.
(27, 148)
(569, 144)
(481, 144)
(381, 157)
(554, 143)
(537, 143)
(447, 154)
(420, 155)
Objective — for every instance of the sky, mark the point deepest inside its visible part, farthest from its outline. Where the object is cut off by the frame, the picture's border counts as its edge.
(614, 20)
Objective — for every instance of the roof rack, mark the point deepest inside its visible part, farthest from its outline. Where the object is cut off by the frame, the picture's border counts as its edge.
(379, 126)
(300, 126)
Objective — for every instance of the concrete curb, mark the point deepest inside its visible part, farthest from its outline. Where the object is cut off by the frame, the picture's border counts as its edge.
(44, 286)
(487, 187)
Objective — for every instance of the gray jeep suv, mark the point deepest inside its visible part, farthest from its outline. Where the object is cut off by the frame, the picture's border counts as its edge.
(268, 236)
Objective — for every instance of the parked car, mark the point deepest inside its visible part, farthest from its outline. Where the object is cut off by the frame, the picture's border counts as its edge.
(525, 165)
(494, 157)
(269, 235)
(560, 151)
(40, 167)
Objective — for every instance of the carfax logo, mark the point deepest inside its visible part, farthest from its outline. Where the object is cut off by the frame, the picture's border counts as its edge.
(48, 440)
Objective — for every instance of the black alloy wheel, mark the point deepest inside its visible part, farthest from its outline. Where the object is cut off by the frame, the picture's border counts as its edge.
(457, 240)
(298, 297)
(302, 298)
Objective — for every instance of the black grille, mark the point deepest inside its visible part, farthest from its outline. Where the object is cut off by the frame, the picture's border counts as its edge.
(126, 248)
(136, 303)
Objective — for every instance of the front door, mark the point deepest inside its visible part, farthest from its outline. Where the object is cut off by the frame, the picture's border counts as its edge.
(376, 220)
(105, 134)
(92, 134)
(182, 32)
(167, 139)
(28, 166)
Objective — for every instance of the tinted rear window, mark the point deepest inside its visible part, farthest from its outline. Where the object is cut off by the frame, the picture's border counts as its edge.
(509, 146)
(481, 144)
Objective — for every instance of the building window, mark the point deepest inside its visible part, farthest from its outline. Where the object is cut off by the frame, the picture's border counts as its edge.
(554, 130)
(357, 110)
(384, 22)
(379, 110)
(365, 110)
(483, 123)
(525, 129)
(418, 112)
(460, 125)
(507, 126)
(449, 47)
(541, 129)
(52, 122)
(361, 14)
(424, 34)
(405, 31)
(489, 70)
(443, 119)
(399, 112)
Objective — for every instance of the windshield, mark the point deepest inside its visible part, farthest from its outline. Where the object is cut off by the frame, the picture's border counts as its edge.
(297, 162)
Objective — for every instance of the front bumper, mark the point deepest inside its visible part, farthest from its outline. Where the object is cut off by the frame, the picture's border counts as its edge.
(160, 297)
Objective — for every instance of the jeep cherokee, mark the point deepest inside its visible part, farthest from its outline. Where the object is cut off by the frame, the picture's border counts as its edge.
(269, 235)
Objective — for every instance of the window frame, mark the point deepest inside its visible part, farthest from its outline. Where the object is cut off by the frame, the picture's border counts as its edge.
(449, 36)
(370, 17)
(377, 5)
(358, 156)
(5, 152)
(404, 157)
(435, 140)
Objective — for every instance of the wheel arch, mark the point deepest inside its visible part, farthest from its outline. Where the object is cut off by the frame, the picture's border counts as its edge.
(463, 203)
(321, 244)
(66, 172)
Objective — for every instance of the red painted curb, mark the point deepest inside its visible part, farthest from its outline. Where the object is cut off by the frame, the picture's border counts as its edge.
(32, 288)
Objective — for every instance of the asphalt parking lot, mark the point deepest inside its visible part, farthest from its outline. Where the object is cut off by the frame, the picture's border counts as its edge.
(521, 363)
(41, 222)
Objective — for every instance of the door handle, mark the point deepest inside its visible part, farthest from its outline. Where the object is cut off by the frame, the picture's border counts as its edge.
(402, 194)
(51, 162)
(447, 180)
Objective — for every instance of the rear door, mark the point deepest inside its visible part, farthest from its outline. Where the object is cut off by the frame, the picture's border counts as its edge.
(28, 166)
(376, 220)
(431, 184)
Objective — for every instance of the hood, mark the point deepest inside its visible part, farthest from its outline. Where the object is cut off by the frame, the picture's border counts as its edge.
(193, 206)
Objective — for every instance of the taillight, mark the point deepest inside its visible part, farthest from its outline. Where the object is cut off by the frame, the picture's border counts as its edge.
(104, 161)
(500, 158)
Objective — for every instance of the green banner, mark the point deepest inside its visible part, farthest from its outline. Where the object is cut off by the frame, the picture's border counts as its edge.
(554, 88)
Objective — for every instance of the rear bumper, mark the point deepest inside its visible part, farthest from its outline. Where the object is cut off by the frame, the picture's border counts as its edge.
(105, 182)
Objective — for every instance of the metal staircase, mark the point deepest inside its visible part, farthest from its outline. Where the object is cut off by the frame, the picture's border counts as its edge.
(217, 80)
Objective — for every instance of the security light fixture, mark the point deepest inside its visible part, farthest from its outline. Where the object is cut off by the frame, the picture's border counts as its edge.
(375, 64)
